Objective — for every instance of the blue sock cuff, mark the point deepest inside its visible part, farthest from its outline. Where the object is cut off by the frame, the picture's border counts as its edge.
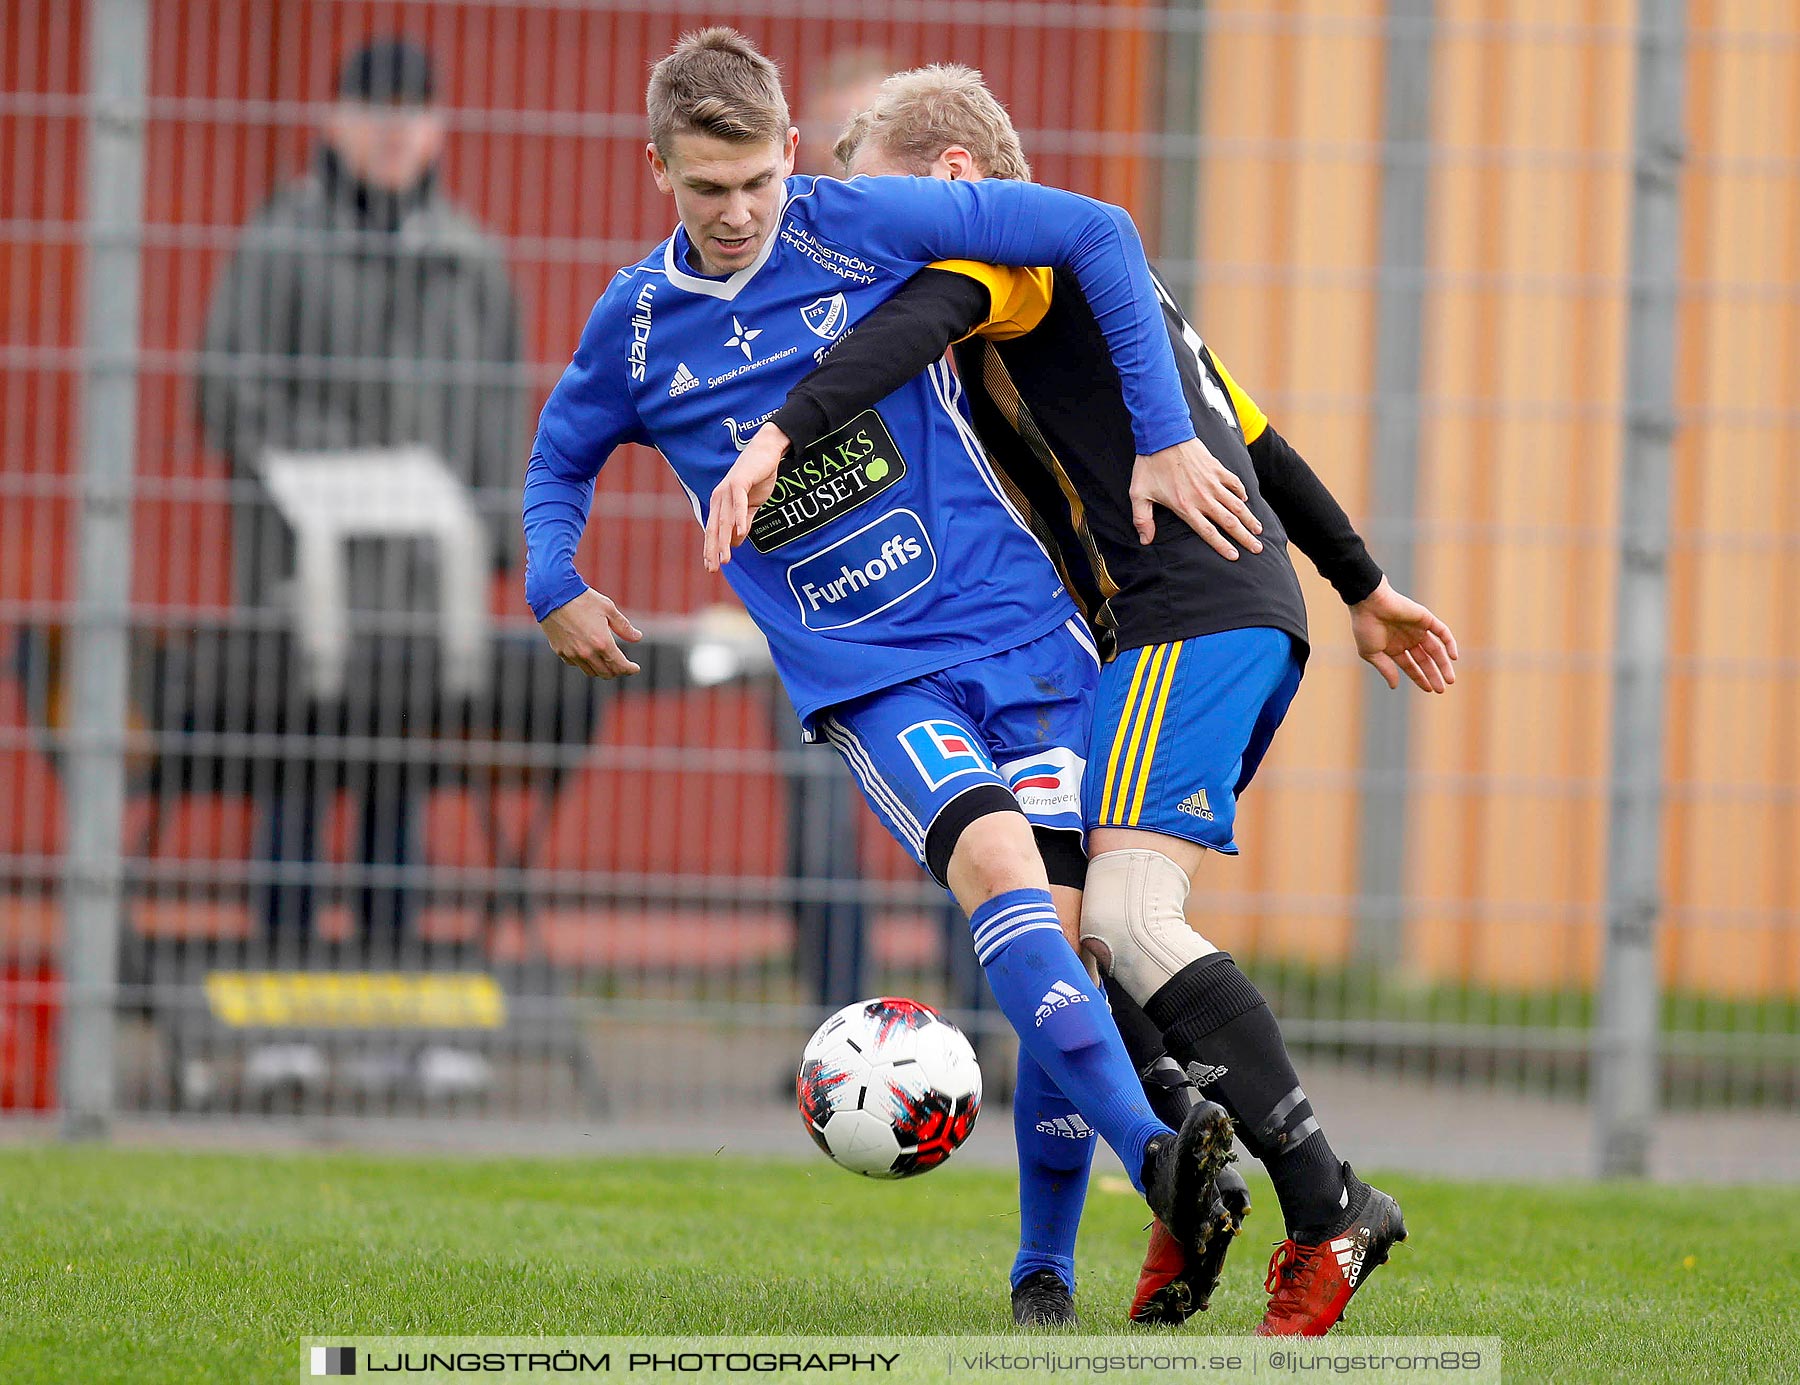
(1008, 916)
(1027, 1263)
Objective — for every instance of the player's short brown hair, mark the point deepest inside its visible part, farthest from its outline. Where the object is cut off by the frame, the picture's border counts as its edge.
(919, 114)
(716, 82)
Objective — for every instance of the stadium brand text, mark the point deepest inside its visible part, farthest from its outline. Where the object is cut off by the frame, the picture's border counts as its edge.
(640, 330)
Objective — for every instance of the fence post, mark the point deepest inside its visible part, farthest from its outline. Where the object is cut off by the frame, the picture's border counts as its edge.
(1394, 459)
(1625, 1034)
(1178, 171)
(118, 35)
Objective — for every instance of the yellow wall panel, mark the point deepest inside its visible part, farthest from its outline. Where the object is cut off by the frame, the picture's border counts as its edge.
(1524, 366)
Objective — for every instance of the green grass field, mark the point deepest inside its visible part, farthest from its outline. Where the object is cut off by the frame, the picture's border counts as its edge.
(133, 1265)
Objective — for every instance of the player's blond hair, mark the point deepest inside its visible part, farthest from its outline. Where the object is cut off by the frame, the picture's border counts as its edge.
(919, 114)
(716, 82)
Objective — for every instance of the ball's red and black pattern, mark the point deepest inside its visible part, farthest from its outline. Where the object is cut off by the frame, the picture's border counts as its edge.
(817, 1081)
(931, 1127)
(890, 1012)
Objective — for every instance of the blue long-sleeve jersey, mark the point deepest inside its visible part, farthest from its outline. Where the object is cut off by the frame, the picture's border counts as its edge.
(889, 549)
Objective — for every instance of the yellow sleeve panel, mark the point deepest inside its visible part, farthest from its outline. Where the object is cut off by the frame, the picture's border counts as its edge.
(1017, 298)
(1250, 418)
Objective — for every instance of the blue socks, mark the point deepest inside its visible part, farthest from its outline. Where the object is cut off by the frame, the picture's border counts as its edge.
(1062, 1021)
(1056, 1148)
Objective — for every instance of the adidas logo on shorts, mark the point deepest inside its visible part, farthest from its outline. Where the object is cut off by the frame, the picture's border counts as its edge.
(1068, 1127)
(684, 381)
(1195, 805)
(1058, 997)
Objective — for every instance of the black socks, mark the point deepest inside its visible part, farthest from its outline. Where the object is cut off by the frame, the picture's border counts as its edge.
(1166, 1085)
(1217, 1023)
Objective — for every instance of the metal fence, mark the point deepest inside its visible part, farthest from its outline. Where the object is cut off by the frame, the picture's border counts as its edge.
(1520, 279)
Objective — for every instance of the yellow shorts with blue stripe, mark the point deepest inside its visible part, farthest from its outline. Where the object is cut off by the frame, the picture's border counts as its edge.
(1179, 730)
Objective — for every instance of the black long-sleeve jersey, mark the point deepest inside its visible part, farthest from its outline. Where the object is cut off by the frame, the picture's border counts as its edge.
(1048, 407)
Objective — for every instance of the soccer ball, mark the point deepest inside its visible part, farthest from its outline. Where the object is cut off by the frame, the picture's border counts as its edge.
(889, 1088)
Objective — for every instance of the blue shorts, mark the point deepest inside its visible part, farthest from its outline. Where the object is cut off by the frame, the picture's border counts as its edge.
(1179, 730)
(1017, 720)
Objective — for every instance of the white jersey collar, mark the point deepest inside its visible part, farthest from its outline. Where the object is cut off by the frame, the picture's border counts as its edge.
(726, 289)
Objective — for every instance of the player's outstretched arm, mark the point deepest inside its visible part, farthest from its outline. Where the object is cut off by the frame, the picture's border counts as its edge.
(1000, 221)
(1315, 522)
(585, 634)
(588, 415)
(750, 481)
(1397, 635)
(939, 307)
(899, 340)
(1393, 633)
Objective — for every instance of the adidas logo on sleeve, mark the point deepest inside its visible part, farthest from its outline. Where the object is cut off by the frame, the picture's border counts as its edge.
(1058, 997)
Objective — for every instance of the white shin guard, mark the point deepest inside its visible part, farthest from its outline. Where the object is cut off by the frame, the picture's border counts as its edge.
(1132, 920)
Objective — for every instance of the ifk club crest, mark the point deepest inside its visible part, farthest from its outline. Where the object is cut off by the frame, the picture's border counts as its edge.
(825, 317)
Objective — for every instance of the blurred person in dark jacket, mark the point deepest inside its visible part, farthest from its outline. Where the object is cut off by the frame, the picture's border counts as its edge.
(362, 310)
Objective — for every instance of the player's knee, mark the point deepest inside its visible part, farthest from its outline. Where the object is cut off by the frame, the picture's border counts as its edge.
(1132, 920)
(981, 846)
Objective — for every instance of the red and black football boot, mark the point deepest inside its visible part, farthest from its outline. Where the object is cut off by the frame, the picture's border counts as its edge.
(1180, 1172)
(1310, 1285)
(1173, 1286)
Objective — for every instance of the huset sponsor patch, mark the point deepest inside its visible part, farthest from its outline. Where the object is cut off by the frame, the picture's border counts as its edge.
(830, 477)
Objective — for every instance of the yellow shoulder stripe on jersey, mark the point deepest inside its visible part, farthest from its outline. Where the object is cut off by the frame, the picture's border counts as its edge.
(1250, 418)
(1140, 723)
(1017, 298)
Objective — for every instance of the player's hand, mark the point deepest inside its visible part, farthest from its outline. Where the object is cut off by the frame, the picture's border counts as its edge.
(1202, 490)
(585, 634)
(750, 481)
(1398, 635)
